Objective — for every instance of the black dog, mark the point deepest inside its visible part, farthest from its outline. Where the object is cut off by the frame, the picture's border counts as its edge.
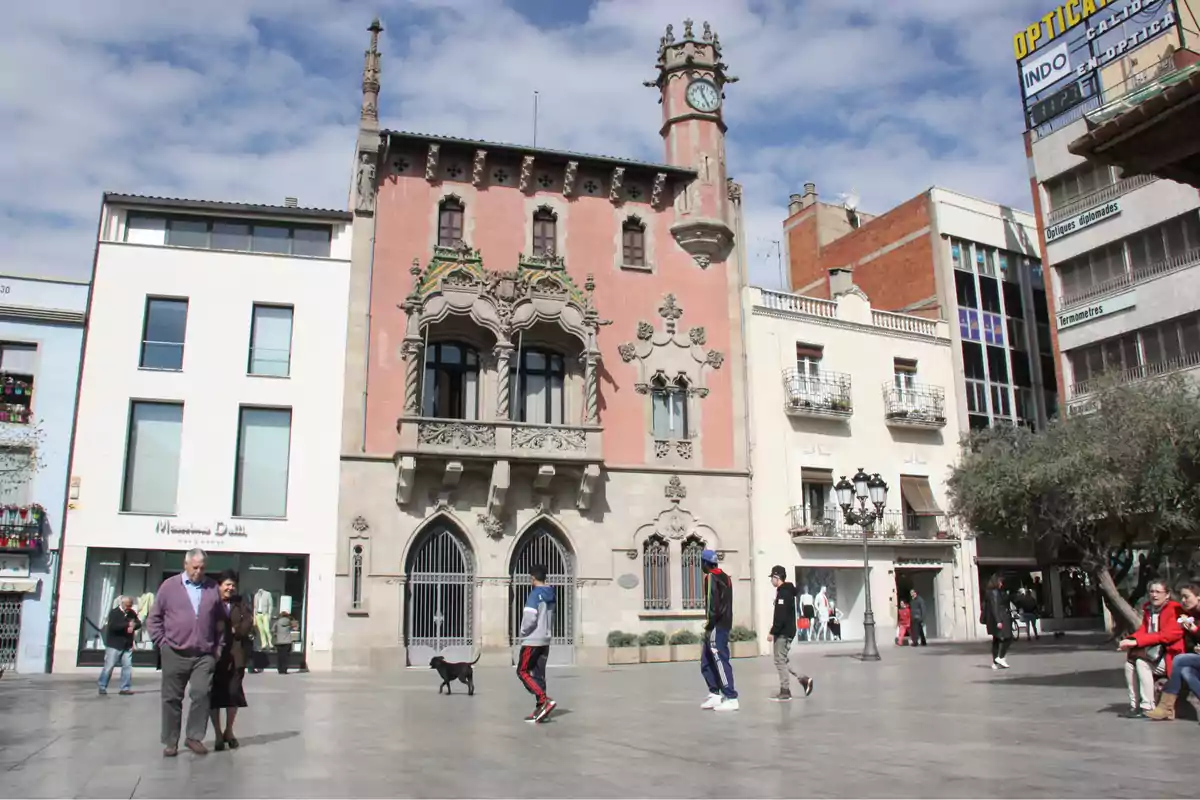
(450, 671)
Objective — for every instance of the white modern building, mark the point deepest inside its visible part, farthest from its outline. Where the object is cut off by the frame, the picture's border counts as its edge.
(41, 337)
(1123, 249)
(839, 386)
(208, 414)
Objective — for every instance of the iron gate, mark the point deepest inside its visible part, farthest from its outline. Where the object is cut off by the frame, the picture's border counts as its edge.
(10, 631)
(541, 546)
(440, 598)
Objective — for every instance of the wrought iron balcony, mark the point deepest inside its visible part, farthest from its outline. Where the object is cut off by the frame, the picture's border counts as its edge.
(459, 438)
(914, 406)
(823, 394)
(828, 523)
(21, 529)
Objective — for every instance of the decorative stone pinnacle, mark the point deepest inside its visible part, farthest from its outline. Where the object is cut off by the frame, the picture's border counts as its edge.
(415, 269)
(687, 28)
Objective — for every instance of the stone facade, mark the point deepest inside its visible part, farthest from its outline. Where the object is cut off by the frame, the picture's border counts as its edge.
(614, 285)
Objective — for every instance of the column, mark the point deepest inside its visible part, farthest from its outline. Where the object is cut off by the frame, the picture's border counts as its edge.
(413, 357)
(503, 353)
(591, 412)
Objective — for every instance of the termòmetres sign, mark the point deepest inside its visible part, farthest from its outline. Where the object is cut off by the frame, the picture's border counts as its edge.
(1095, 310)
(1046, 70)
(217, 529)
(1082, 220)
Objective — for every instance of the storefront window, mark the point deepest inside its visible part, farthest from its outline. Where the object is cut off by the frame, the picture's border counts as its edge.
(1080, 596)
(270, 582)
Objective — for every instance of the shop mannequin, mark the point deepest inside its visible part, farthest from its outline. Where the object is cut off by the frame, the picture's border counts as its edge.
(807, 611)
(264, 610)
(821, 602)
(144, 604)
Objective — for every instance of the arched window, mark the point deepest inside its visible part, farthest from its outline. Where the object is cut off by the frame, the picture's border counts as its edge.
(451, 382)
(669, 404)
(656, 573)
(450, 222)
(693, 577)
(545, 232)
(536, 380)
(633, 243)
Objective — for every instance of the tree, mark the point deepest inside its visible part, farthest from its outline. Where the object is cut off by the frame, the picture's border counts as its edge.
(20, 457)
(1093, 486)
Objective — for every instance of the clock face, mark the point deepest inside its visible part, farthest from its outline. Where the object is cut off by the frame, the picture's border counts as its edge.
(703, 96)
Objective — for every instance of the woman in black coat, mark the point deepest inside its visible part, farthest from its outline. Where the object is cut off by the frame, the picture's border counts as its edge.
(997, 615)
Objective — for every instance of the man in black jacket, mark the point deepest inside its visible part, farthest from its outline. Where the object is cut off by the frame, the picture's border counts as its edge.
(783, 631)
(119, 631)
(917, 625)
(718, 620)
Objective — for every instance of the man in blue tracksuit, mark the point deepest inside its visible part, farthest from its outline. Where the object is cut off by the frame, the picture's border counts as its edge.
(718, 619)
(537, 629)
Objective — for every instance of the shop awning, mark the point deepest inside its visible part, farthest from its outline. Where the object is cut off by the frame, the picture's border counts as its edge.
(919, 495)
(19, 585)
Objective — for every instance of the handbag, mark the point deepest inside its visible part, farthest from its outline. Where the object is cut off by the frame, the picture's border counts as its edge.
(1154, 656)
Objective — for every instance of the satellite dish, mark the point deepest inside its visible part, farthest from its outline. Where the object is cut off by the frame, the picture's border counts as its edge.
(850, 201)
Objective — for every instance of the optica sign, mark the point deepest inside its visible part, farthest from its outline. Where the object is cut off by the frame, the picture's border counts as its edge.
(1057, 22)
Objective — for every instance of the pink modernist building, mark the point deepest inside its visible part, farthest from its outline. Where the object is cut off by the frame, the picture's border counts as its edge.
(545, 366)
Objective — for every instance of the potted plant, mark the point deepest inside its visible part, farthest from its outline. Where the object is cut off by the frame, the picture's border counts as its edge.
(622, 648)
(743, 642)
(685, 646)
(654, 647)
(893, 530)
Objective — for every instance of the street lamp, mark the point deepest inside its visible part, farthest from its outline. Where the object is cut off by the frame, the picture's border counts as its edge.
(865, 488)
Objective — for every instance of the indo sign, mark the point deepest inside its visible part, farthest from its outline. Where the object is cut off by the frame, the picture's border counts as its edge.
(1083, 220)
(1045, 71)
(1097, 310)
(216, 529)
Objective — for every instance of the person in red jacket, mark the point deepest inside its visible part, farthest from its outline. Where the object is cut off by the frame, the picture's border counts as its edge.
(903, 623)
(1151, 648)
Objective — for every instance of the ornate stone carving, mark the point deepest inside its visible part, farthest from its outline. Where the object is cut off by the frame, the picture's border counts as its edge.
(503, 354)
(708, 34)
(632, 554)
(675, 490)
(431, 161)
(492, 526)
(684, 449)
(614, 187)
(587, 486)
(406, 474)
(548, 439)
(410, 351)
(645, 331)
(706, 240)
(466, 435)
(669, 36)
(365, 202)
(665, 448)
(627, 351)
(698, 336)
(591, 388)
(734, 190)
(569, 178)
(687, 29)
(676, 523)
(656, 193)
(703, 261)
(526, 173)
(360, 524)
(670, 311)
(715, 359)
(477, 167)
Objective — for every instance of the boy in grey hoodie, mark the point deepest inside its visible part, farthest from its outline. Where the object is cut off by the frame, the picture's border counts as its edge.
(537, 629)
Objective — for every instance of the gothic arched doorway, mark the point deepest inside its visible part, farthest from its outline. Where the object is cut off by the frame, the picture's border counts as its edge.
(543, 544)
(440, 596)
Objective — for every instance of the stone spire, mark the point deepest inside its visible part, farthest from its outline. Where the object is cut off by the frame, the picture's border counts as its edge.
(370, 80)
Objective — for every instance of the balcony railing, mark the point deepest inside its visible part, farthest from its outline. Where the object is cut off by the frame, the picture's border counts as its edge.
(1102, 195)
(21, 528)
(16, 392)
(1177, 263)
(799, 304)
(914, 406)
(501, 439)
(905, 323)
(828, 522)
(1135, 374)
(824, 394)
(1137, 88)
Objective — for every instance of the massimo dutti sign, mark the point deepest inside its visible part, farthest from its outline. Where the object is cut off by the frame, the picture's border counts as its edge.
(165, 526)
(1096, 310)
(1083, 220)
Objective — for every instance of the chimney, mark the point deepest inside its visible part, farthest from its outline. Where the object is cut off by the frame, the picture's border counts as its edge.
(794, 204)
(810, 195)
(841, 280)
(290, 202)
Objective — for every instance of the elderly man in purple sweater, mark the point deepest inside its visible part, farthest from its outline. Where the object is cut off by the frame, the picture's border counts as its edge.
(184, 624)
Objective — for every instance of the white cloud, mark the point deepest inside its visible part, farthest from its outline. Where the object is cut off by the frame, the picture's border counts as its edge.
(253, 100)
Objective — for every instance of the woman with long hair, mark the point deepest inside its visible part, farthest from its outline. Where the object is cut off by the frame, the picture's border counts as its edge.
(997, 615)
(227, 691)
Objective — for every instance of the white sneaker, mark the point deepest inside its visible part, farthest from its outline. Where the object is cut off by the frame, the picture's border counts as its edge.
(712, 702)
(1003, 664)
(995, 665)
(728, 704)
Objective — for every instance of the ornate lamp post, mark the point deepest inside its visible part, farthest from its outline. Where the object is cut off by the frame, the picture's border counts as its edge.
(864, 488)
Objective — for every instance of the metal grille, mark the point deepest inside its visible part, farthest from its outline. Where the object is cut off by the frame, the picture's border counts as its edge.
(441, 591)
(656, 573)
(693, 578)
(543, 547)
(10, 630)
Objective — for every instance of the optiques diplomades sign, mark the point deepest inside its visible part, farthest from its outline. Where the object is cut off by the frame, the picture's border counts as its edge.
(1082, 220)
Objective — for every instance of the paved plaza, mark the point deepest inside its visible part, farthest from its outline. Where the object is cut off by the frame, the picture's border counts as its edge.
(924, 722)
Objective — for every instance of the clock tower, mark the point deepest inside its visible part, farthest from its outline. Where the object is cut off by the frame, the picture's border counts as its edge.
(691, 81)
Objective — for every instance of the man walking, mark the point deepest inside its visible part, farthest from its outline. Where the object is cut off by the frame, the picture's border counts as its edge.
(783, 630)
(718, 619)
(119, 631)
(917, 623)
(184, 625)
(537, 629)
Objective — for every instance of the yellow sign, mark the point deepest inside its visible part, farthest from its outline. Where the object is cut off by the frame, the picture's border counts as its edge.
(1056, 23)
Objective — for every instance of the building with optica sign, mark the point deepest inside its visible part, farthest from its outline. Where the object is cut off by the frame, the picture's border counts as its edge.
(208, 416)
(41, 336)
(1122, 244)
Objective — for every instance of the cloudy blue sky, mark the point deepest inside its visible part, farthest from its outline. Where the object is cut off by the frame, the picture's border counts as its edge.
(254, 100)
